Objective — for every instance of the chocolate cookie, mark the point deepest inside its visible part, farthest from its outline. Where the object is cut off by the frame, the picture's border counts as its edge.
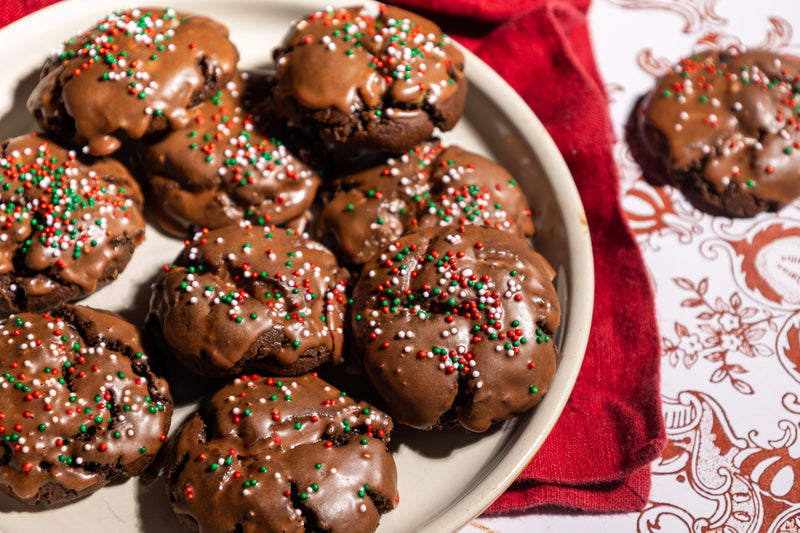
(428, 186)
(68, 224)
(134, 72)
(723, 127)
(250, 297)
(223, 167)
(296, 454)
(380, 79)
(456, 325)
(79, 404)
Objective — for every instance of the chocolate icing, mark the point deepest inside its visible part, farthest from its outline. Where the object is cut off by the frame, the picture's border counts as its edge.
(68, 225)
(79, 405)
(430, 185)
(378, 68)
(730, 119)
(457, 322)
(251, 297)
(282, 454)
(134, 72)
(223, 167)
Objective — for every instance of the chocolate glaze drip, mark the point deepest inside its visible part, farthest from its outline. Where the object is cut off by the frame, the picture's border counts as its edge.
(384, 71)
(79, 405)
(134, 72)
(223, 167)
(430, 185)
(251, 297)
(456, 322)
(69, 224)
(731, 118)
(282, 454)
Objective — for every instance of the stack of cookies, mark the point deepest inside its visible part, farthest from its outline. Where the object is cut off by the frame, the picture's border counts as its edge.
(325, 225)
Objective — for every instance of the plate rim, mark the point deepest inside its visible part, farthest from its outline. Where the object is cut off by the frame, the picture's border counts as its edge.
(578, 324)
(581, 272)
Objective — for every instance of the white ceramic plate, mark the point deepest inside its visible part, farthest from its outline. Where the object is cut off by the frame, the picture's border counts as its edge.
(445, 478)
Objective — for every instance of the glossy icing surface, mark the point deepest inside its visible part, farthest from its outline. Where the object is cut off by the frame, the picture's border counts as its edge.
(79, 405)
(430, 185)
(223, 167)
(234, 287)
(457, 322)
(135, 71)
(732, 116)
(64, 217)
(283, 454)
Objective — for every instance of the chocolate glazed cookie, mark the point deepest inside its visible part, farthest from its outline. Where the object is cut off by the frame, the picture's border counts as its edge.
(68, 225)
(428, 186)
(723, 127)
(223, 167)
(250, 297)
(79, 405)
(134, 72)
(380, 80)
(273, 454)
(455, 325)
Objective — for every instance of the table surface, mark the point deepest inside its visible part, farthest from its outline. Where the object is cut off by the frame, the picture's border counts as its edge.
(727, 300)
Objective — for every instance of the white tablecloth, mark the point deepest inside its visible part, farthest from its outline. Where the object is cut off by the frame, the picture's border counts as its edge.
(727, 300)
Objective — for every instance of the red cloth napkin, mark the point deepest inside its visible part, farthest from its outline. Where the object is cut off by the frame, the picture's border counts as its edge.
(598, 456)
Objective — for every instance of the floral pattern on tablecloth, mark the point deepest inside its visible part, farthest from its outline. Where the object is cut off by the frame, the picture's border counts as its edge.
(727, 300)
(728, 307)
